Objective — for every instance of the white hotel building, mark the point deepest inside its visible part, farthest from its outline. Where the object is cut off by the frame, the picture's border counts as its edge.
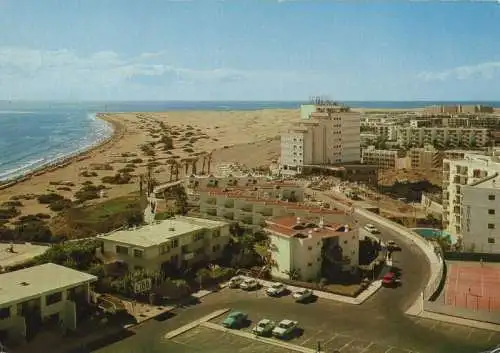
(301, 244)
(471, 194)
(324, 136)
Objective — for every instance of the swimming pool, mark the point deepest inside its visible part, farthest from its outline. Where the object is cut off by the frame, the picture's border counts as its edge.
(432, 232)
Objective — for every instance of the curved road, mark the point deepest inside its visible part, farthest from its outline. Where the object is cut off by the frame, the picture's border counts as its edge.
(380, 319)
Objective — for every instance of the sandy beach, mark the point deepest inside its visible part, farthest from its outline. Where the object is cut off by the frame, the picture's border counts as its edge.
(248, 137)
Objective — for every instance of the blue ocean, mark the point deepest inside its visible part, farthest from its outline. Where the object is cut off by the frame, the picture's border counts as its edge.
(36, 133)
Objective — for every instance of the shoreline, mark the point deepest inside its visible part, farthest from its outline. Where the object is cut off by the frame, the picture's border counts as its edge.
(117, 133)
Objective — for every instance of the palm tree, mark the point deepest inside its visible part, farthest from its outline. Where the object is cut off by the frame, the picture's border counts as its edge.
(177, 164)
(203, 166)
(193, 166)
(185, 161)
(209, 161)
(171, 172)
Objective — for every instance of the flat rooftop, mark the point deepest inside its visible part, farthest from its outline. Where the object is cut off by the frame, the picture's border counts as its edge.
(159, 233)
(298, 227)
(33, 281)
(22, 253)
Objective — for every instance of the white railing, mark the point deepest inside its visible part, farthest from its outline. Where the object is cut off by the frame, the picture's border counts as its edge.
(434, 259)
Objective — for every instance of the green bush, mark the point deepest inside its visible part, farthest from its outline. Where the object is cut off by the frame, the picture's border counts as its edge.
(8, 213)
(119, 178)
(49, 198)
(12, 203)
(136, 160)
(88, 174)
(126, 170)
(60, 205)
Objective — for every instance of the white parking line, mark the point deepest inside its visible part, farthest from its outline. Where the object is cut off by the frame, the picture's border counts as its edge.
(330, 339)
(491, 336)
(346, 345)
(310, 338)
(389, 349)
(366, 348)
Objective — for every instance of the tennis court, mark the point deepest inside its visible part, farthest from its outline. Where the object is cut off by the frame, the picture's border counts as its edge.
(473, 287)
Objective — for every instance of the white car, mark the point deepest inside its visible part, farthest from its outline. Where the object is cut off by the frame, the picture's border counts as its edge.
(276, 290)
(236, 281)
(249, 284)
(285, 328)
(302, 295)
(264, 327)
(371, 228)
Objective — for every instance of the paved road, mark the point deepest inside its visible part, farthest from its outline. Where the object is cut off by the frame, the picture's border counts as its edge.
(377, 325)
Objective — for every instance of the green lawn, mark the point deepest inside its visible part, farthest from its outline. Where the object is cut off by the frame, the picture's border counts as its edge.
(100, 211)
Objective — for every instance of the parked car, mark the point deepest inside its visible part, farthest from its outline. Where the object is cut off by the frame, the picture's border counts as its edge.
(285, 328)
(372, 229)
(390, 279)
(302, 295)
(264, 327)
(276, 290)
(236, 319)
(393, 246)
(249, 284)
(236, 281)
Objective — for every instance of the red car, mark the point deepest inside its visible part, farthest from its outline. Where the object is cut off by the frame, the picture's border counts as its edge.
(390, 279)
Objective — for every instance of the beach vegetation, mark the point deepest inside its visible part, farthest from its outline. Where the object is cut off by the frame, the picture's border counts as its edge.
(42, 216)
(12, 203)
(88, 174)
(167, 141)
(126, 170)
(189, 134)
(103, 217)
(64, 188)
(188, 150)
(136, 160)
(118, 178)
(89, 192)
(49, 198)
(130, 165)
(60, 205)
(9, 212)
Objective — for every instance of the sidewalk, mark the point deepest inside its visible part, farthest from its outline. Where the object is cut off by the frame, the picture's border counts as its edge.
(361, 298)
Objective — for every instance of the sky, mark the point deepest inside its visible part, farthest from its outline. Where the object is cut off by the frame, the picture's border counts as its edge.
(249, 50)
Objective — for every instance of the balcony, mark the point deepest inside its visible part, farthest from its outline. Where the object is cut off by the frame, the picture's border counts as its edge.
(266, 212)
(211, 200)
(229, 215)
(229, 204)
(246, 208)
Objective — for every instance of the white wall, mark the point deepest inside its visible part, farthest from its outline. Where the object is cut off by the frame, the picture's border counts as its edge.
(477, 236)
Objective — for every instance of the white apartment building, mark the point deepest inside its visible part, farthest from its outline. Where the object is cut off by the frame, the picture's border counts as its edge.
(39, 294)
(442, 136)
(303, 244)
(467, 186)
(426, 157)
(254, 207)
(177, 242)
(327, 137)
(204, 181)
(387, 159)
(387, 131)
(367, 139)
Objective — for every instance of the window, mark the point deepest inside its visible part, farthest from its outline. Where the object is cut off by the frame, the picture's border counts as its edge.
(491, 226)
(4, 313)
(138, 253)
(174, 243)
(345, 242)
(491, 240)
(216, 248)
(121, 250)
(309, 248)
(309, 264)
(490, 211)
(216, 233)
(164, 249)
(53, 298)
(491, 197)
(197, 236)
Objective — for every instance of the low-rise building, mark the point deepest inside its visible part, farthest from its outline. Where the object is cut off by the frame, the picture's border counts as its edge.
(173, 243)
(204, 181)
(426, 157)
(305, 245)
(38, 294)
(387, 159)
(442, 136)
(367, 139)
(250, 207)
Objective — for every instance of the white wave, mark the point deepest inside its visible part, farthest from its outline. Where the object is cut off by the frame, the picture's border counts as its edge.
(24, 167)
(15, 112)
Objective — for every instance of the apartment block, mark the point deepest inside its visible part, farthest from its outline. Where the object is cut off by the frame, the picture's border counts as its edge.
(304, 244)
(329, 135)
(455, 109)
(252, 207)
(47, 293)
(204, 181)
(426, 157)
(178, 242)
(367, 139)
(442, 137)
(467, 184)
(387, 159)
